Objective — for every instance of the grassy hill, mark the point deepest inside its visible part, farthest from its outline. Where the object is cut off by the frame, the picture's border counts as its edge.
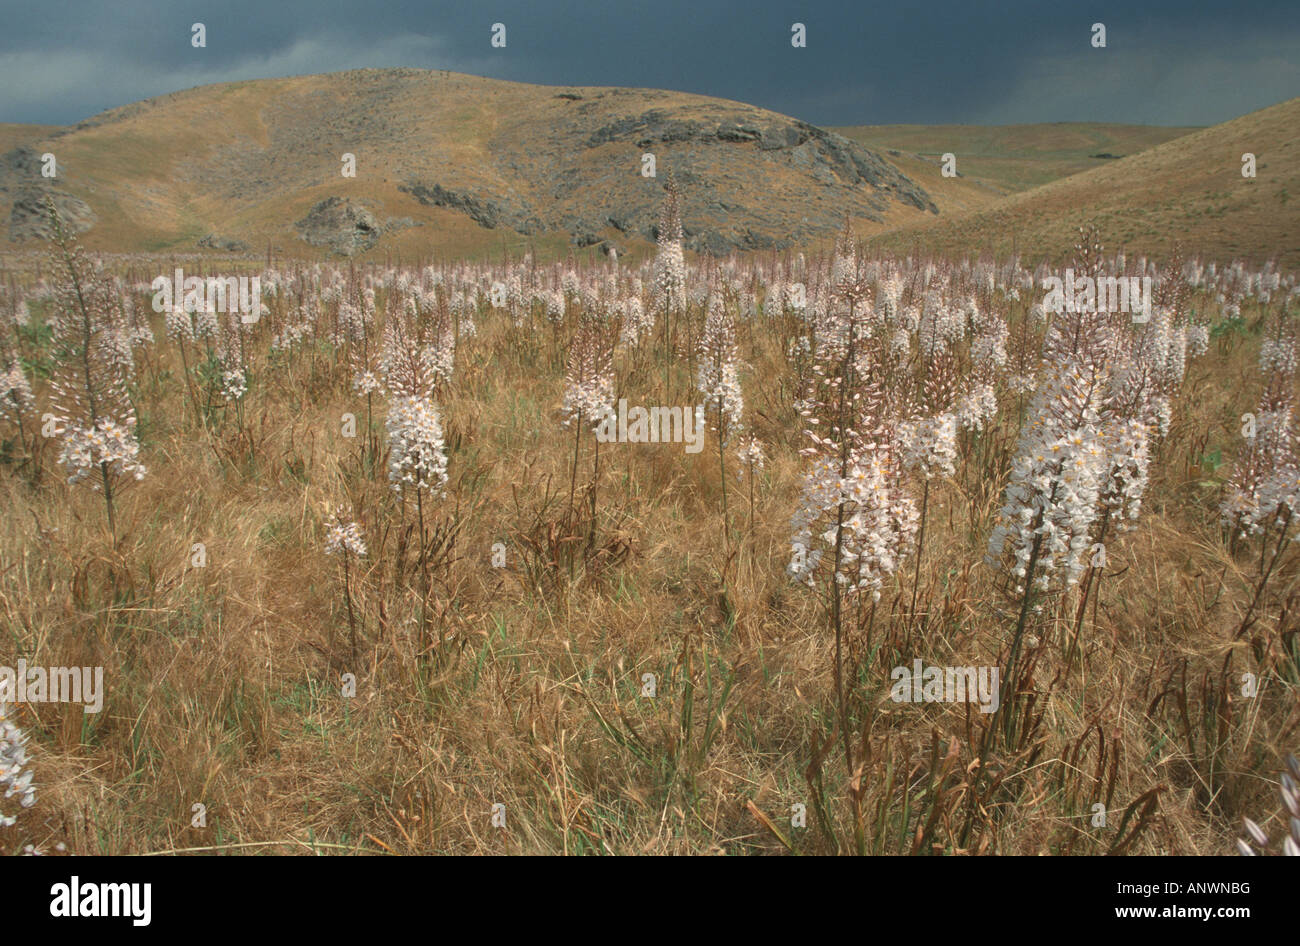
(1013, 158)
(454, 163)
(1189, 189)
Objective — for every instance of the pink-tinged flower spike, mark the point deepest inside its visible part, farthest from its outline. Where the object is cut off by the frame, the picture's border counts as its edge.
(670, 262)
(231, 350)
(15, 392)
(408, 367)
(95, 414)
(589, 378)
(417, 456)
(638, 321)
(1057, 475)
(343, 535)
(718, 374)
(751, 456)
(929, 443)
(15, 777)
(854, 511)
(1265, 482)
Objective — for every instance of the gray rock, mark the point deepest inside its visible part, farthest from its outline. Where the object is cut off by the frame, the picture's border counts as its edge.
(782, 136)
(486, 213)
(343, 226)
(731, 131)
(29, 219)
(483, 212)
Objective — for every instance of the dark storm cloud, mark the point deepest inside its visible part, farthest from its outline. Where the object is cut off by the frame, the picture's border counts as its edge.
(866, 62)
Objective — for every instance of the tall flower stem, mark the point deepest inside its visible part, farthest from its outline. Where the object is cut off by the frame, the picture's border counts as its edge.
(347, 597)
(668, 345)
(1093, 573)
(108, 498)
(836, 616)
(573, 474)
(920, 550)
(722, 473)
(424, 569)
(1027, 600)
(595, 485)
(751, 500)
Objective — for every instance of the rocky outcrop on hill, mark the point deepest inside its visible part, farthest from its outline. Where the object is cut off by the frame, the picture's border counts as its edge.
(572, 193)
(339, 224)
(21, 180)
(485, 212)
(750, 179)
(805, 146)
(29, 218)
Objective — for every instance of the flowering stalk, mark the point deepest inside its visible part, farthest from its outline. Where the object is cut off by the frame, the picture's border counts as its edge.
(343, 537)
(670, 269)
(1264, 481)
(417, 459)
(930, 444)
(16, 399)
(752, 459)
(1060, 472)
(719, 381)
(588, 391)
(855, 484)
(96, 417)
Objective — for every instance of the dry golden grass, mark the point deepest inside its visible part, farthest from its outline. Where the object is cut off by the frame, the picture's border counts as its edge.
(224, 681)
(1189, 190)
(1010, 158)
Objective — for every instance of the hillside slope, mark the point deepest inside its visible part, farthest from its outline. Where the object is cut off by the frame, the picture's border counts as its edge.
(446, 160)
(1188, 190)
(1014, 157)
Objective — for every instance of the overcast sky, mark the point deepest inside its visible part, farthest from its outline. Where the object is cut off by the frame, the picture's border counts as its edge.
(1169, 62)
